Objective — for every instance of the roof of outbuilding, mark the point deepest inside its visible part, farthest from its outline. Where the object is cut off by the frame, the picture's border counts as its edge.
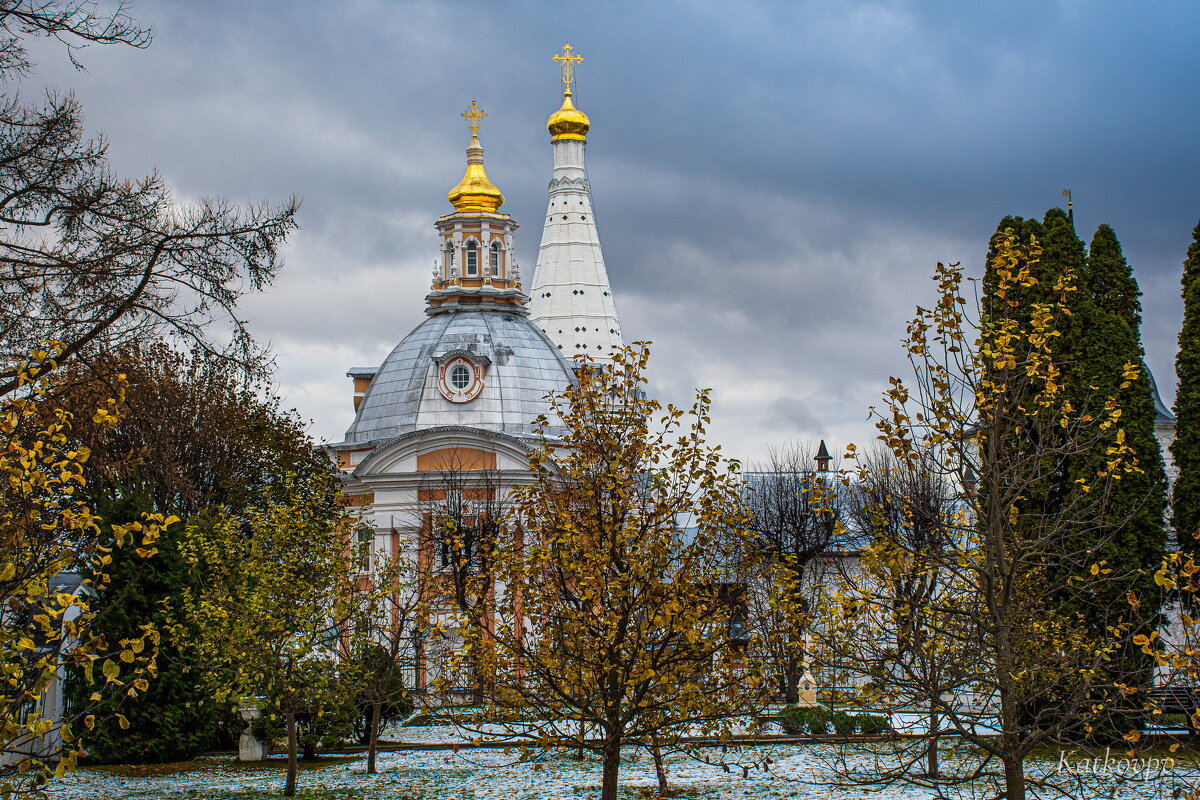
(1162, 414)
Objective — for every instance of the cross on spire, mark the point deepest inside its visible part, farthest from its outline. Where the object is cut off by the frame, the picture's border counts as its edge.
(474, 116)
(566, 63)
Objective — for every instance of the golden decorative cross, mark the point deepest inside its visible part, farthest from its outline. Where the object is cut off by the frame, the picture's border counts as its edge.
(474, 116)
(567, 63)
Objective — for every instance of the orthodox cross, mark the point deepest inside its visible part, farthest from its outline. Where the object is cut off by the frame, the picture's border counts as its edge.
(567, 63)
(473, 116)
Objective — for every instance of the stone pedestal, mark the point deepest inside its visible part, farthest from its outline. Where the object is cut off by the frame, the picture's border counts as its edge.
(808, 691)
(250, 747)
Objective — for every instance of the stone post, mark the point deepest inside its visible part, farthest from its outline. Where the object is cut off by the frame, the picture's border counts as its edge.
(250, 747)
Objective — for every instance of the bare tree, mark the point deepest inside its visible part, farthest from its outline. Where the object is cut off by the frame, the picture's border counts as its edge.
(74, 23)
(463, 512)
(386, 617)
(90, 260)
(909, 506)
(796, 508)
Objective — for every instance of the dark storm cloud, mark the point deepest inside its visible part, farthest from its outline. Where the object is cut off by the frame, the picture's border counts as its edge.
(773, 181)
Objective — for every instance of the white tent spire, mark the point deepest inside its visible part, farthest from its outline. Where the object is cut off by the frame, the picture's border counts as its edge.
(571, 299)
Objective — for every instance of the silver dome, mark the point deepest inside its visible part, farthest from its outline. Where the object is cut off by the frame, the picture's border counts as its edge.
(523, 367)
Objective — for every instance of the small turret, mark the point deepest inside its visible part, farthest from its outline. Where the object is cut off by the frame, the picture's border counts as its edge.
(476, 270)
(822, 458)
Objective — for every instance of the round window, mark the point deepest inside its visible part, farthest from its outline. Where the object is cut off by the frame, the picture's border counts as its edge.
(460, 380)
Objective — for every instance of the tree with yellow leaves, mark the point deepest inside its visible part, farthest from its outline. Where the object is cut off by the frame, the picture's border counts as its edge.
(53, 558)
(267, 616)
(986, 648)
(618, 616)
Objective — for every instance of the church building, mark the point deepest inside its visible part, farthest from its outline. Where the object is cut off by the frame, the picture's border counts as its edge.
(446, 421)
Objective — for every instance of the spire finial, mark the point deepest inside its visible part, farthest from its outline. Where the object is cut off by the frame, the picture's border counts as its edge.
(566, 63)
(568, 122)
(474, 116)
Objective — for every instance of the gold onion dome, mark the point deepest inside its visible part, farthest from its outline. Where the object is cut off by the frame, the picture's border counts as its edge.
(475, 193)
(568, 122)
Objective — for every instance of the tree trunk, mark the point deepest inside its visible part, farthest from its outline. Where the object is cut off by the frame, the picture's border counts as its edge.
(612, 767)
(791, 682)
(659, 767)
(1014, 778)
(931, 755)
(289, 789)
(373, 733)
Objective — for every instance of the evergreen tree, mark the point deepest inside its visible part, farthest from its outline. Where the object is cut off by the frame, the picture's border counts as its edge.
(1130, 536)
(1025, 232)
(1054, 253)
(171, 720)
(1064, 254)
(1185, 450)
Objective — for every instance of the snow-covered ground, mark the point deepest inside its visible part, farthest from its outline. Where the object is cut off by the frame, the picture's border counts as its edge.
(475, 775)
(800, 772)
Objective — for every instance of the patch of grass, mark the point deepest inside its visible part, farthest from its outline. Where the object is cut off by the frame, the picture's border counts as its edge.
(149, 770)
(672, 791)
(273, 764)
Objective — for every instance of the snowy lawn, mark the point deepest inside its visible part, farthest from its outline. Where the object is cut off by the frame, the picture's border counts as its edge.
(443, 775)
(801, 772)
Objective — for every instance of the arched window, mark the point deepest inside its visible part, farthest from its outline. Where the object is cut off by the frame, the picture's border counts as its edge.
(495, 259)
(366, 538)
(472, 258)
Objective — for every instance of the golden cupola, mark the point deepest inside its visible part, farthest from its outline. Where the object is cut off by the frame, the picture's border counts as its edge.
(475, 193)
(568, 122)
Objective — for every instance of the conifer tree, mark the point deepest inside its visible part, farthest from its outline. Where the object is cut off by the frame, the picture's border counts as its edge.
(1064, 255)
(172, 720)
(1129, 536)
(1059, 258)
(1185, 450)
(1135, 507)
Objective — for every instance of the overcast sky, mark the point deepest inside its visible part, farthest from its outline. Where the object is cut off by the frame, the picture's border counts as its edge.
(773, 182)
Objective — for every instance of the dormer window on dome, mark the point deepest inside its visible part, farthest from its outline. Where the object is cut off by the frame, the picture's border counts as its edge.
(461, 375)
